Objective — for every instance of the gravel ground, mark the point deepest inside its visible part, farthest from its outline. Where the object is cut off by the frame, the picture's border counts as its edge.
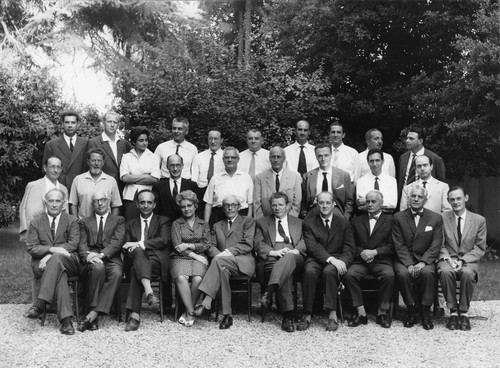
(24, 343)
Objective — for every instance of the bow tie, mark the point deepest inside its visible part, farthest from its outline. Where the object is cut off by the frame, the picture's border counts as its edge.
(420, 213)
(373, 217)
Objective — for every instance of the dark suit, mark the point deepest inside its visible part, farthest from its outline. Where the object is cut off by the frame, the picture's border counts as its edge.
(239, 241)
(54, 283)
(417, 244)
(381, 266)
(103, 278)
(147, 263)
(165, 203)
(280, 270)
(321, 244)
(73, 163)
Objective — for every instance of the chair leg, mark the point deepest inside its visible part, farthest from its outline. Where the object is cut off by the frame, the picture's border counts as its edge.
(295, 297)
(249, 300)
(176, 311)
(44, 315)
(118, 303)
(76, 286)
(160, 286)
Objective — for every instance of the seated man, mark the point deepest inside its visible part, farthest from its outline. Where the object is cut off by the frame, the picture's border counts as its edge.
(330, 250)
(464, 245)
(233, 257)
(417, 237)
(279, 243)
(52, 243)
(147, 238)
(374, 251)
(101, 238)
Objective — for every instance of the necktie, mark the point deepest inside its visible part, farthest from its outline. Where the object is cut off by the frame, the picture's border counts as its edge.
(376, 186)
(302, 167)
(229, 224)
(53, 228)
(71, 147)
(146, 230)
(373, 217)
(281, 231)
(411, 173)
(175, 191)
(211, 168)
(251, 170)
(324, 186)
(327, 226)
(99, 233)
(417, 216)
(277, 183)
(177, 149)
(459, 230)
(424, 183)
(336, 157)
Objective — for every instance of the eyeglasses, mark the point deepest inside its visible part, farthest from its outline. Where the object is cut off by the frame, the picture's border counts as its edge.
(99, 200)
(229, 206)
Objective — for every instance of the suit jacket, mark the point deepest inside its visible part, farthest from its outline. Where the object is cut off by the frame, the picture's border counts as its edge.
(73, 163)
(40, 238)
(438, 169)
(473, 244)
(437, 196)
(321, 244)
(238, 240)
(32, 205)
(341, 188)
(265, 185)
(165, 202)
(265, 235)
(414, 244)
(158, 238)
(113, 237)
(380, 238)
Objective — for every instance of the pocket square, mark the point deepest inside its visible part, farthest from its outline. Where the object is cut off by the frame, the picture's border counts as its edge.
(340, 187)
(428, 228)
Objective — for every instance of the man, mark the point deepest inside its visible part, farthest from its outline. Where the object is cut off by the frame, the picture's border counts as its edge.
(374, 253)
(233, 256)
(94, 180)
(343, 157)
(276, 179)
(115, 147)
(167, 189)
(255, 159)
(146, 243)
(101, 238)
(230, 181)
(437, 191)
(179, 146)
(208, 163)
(415, 146)
(300, 155)
(330, 250)
(69, 148)
(376, 179)
(327, 178)
(417, 237)
(52, 243)
(33, 205)
(374, 140)
(279, 243)
(464, 246)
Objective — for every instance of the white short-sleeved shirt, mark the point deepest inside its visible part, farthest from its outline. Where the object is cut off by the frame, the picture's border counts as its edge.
(148, 163)
(223, 185)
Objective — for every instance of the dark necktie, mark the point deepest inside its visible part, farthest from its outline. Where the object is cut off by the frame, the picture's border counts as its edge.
(327, 226)
(324, 186)
(251, 169)
(277, 183)
(71, 147)
(373, 217)
(411, 173)
(175, 191)
(302, 167)
(211, 168)
(99, 233)
(376, 186)
(229, 224)
(146, 230)
(459, 230)
(418, 214)
(177, 149)
(53, 228)
(424, 184)
(281, 231)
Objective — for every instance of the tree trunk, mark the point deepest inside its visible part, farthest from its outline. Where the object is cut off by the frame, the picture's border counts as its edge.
(241, 38)
(248, 31)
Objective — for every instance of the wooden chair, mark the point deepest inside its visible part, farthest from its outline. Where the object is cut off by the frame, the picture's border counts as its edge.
(240, 284)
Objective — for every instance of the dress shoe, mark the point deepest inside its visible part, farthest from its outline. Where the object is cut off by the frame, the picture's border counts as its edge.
(132, 325)
(438, 312)
(200, 310)
(411, 317)
(427, 320)
(452, 323)
(265, 300)
(358, 320)
(332, 325)
(33, 312)
(67, 326)
(464, 323)
(227, 321)
(384, 320)
(303, 324)
(189, 322)
(84, 325)
(94, 326)
(151, 299)
(287, 324)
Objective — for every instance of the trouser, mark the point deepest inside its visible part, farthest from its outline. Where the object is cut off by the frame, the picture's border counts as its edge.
(425, 283)
(313, 271)
(467, 276)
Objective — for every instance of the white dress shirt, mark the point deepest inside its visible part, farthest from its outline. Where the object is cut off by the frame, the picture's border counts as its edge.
(292, 153)
(319, 183)
(201, 162)
(347, 160)
(388, 186)
(261, 161)
(410, 160)
(112, 144)
(186, 150)
(388, 167)
(284, 223)
(67, 139)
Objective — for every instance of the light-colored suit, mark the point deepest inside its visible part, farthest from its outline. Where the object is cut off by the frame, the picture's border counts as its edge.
(437, 195)
(265, 185)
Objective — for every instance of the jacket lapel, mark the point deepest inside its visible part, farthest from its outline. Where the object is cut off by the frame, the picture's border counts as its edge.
(63, 224)
(313, 182)
(411, 221)
(109, 151)
(63, 147)
(272, 230)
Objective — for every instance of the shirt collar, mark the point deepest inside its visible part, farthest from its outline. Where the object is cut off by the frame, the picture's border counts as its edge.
(104, 217)
(148, 219)
(463, 215)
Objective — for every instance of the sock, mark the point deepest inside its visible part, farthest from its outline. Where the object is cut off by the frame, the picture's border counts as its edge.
(135, 316)
(92, 316)
(453, 312)
(207, 302)
(361, 310)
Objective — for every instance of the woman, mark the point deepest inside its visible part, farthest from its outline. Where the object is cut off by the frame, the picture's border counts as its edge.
(192, 239)
(139, 169)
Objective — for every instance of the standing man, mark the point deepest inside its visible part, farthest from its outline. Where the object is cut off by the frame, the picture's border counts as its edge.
(94, 180)
(464, 246)
(330, 250)
(146, 243)
(52, 243)
(276, 179)
(255, 159)
(327, 178)
(417, 235)
(374, 253)
(112, 145)
(70, 148)
(375, 140)
(279, 243)
(101, 239)
(300, 155)
(179, 146)
(233, 256)
(343, 157)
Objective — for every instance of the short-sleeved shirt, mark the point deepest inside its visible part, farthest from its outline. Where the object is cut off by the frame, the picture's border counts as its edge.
(148, 163)
(223, 185)
(347, 160)
(186, 150)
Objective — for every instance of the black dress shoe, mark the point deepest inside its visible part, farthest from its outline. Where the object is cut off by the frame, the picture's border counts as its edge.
(94, 326)
(227, 321)
(427, 320)
(411, 317)
(33, 312)
(265, 300)
(303, 324)
(200, 310)
(384, 320)
(67, 326)
(84, 325)
(452, 323)
(332, 325)
(464, 323)
(287, 324)
(358, 320)
(438, 312)
(132, 324)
